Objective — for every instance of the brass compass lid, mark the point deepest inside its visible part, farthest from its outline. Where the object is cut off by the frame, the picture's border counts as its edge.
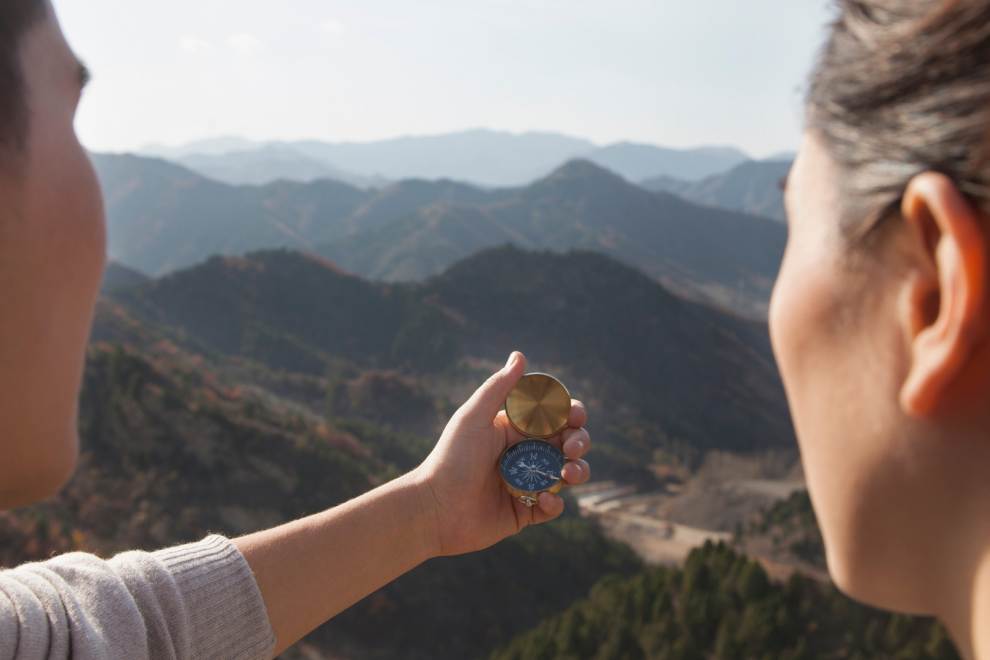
(539, 406)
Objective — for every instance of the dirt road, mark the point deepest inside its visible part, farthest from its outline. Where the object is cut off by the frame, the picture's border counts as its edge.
(618, 509)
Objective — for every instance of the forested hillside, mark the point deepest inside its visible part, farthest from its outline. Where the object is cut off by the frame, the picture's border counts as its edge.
(722, 605)
(698, 378)
(170, 454)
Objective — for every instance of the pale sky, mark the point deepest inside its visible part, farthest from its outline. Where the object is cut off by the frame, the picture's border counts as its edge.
(678, 73)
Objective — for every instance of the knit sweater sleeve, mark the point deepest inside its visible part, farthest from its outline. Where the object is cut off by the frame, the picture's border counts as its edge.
(193, 601)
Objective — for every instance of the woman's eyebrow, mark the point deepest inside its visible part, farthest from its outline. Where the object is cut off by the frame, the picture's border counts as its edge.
(84, 74)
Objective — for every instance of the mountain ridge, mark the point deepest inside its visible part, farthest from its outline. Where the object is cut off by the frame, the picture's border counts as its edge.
(711, 254)
(164, 217)
(752, 187)
(268, 164)
(290, 312)
(481, 156)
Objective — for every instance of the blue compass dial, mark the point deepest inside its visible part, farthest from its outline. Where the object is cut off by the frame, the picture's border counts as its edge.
(532, 466)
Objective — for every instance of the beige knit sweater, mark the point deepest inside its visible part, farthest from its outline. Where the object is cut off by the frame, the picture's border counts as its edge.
(194, 601)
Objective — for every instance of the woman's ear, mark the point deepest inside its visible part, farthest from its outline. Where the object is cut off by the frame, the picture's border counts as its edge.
(943, 306)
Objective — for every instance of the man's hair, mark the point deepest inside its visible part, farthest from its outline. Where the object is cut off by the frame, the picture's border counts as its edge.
(901, 87)
(16, 16)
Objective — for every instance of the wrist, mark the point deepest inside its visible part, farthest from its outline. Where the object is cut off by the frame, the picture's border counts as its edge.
(416, 486)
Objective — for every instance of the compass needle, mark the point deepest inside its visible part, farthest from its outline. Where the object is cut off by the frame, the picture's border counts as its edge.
(532, 467)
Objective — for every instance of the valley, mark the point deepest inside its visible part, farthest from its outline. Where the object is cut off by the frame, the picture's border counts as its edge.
(663, 526)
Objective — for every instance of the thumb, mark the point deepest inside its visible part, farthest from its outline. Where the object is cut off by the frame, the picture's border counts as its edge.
(485, 403)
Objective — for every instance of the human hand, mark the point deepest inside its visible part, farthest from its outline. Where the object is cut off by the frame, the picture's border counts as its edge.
(471, 508)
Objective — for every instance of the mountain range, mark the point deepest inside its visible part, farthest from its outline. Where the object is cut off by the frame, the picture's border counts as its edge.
(270, 163)
(231, 389)
(687, 376)
(752, 187)
(246, 391)
(482, 157)
(164, 217)
(709, 253)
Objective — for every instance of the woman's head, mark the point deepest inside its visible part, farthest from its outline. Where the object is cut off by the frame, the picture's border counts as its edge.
(880, 317)
(903, 87)
(52, 249)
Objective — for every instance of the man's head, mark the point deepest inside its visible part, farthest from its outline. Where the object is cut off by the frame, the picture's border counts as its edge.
(52, 252)
(16, 17)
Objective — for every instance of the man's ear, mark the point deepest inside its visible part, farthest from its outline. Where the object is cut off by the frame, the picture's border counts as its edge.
(943, 306)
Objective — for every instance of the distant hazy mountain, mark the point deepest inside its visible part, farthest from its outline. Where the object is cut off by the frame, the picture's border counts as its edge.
(782, 155)
(482, 157)
(117, 277)
(267, 164)
(705, 377)
(640, 161)
(211, 146)
(163, 217)
(752, 187)
(719, 255)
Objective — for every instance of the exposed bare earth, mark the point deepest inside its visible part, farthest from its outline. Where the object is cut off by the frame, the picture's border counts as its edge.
(623, 516)
(663, 527)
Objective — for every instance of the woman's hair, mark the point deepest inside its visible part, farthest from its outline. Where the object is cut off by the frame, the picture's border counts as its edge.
(901, 87)
(16, 16)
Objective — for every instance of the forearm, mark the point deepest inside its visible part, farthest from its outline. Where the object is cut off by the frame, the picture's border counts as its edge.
(312, 569)
(193, 601)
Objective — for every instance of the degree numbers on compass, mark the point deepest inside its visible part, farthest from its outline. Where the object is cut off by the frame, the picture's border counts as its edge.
(532, 466)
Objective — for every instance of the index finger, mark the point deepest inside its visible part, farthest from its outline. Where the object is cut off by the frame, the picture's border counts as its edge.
(578, 416)
(576, 419)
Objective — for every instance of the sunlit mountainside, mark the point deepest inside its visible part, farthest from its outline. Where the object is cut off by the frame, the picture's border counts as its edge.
(578, 312)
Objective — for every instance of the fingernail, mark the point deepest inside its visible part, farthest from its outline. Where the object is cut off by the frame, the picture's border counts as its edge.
(513, 356)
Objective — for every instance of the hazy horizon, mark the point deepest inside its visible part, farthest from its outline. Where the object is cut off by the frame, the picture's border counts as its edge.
(152, 146)
(715, 73)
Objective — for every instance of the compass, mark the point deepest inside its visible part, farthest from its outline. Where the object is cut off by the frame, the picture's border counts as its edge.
(538, 406)
(531, 467)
